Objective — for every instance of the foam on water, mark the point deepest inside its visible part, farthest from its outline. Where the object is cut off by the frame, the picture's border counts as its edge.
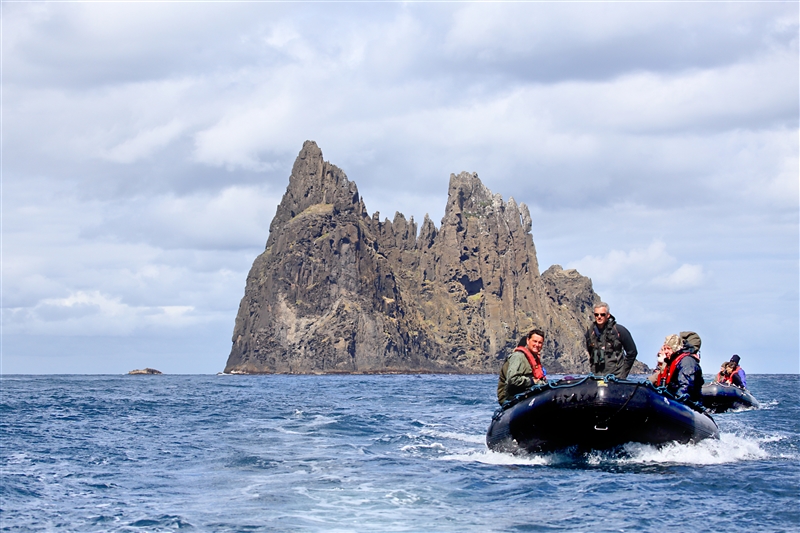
(490, 457)
(729, 448)
(463, 437)
(771, 404)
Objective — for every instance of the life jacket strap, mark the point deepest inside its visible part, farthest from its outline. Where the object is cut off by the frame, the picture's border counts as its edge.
(533, 360)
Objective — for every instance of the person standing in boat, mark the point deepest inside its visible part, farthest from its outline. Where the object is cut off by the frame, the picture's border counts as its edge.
(523, 368)
(610, 345)
(681, 375)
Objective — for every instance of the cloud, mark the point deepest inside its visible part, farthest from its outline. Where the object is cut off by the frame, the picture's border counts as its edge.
(233, 218)
(144, 143)
(558, 42)
(685, 277)
(641, 267)
(94, 313)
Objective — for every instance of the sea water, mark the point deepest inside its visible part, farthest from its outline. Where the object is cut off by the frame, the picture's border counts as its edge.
(364, 453)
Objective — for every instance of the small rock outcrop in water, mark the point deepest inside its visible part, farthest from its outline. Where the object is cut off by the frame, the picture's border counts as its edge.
(339, 291)
(145, 371)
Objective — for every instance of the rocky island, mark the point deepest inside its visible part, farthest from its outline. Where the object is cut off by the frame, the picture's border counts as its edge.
(144, 371)
(339, 291)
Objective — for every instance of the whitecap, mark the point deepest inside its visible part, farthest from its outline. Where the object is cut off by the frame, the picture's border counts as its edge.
(463, 437)
(489, 457)
(729, 448)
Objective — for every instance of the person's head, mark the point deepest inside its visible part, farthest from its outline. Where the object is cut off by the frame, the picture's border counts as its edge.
(735, 359)
(535, 341)
(692, 339)
(672, 344)
(601, 314)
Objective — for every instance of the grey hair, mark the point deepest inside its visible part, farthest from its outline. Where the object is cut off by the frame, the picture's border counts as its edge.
(602, 304)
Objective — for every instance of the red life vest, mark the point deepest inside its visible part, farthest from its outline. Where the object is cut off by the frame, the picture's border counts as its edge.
(533, 360)
(668, 371)
(729, 378)
(725, 380)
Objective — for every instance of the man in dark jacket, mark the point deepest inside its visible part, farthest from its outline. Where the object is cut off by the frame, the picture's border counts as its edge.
(682, 374)
(610, 345)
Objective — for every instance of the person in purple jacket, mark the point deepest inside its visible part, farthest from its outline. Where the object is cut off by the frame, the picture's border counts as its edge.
(738, 373)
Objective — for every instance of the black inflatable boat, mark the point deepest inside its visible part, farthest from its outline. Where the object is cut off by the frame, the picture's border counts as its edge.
(595, 413)
(719, 398)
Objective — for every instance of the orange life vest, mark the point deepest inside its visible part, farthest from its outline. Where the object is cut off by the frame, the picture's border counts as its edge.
(533, 360)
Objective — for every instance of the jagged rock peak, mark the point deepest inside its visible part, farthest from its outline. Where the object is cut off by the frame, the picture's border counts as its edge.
(466, 193)
(316, 182)
(468, 197)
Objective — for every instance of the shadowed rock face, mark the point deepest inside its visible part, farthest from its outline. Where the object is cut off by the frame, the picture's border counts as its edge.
(339, 291)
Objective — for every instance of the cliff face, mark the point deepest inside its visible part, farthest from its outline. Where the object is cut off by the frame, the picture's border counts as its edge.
(339, 291)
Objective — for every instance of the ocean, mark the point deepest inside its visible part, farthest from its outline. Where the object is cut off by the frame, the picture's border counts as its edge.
(341, 453)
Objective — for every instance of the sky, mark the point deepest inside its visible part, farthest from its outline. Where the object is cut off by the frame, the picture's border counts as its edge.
(145, 147)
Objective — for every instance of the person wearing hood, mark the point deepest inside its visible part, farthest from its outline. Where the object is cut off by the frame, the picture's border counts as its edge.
(737, 375)
(610, 345)
(681, 375)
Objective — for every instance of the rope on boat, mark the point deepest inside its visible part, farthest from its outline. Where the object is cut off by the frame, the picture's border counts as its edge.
(688, 403)
(610, 378)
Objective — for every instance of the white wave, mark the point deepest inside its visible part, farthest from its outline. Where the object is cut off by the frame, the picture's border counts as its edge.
(775, 437)
(489, 457)
(463, 437)
(414, 447)
(769, 405)
(729, 448)
(281, 429)
(401, 497)
(322, 420)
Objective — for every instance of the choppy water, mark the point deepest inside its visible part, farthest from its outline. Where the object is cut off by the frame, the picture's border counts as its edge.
(363, 453)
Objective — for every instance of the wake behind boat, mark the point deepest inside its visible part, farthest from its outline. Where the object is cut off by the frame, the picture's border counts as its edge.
(720, 397)
(595, 413)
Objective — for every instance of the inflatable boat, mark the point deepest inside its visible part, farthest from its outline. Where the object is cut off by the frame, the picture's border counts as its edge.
(719, 397)
(595, 413)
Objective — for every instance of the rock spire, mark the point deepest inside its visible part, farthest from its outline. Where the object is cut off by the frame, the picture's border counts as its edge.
(339, 291)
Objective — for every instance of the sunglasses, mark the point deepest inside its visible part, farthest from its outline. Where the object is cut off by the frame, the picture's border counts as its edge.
(601, 314)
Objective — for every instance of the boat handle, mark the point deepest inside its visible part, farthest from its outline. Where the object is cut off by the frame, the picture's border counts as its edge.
(601, 429)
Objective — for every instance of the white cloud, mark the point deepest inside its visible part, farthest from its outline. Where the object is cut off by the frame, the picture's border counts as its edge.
(95, 313)
(685, 277)
(239, 138)
(235, 217)
(652, 267)
(620, 266)
(144, 143)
